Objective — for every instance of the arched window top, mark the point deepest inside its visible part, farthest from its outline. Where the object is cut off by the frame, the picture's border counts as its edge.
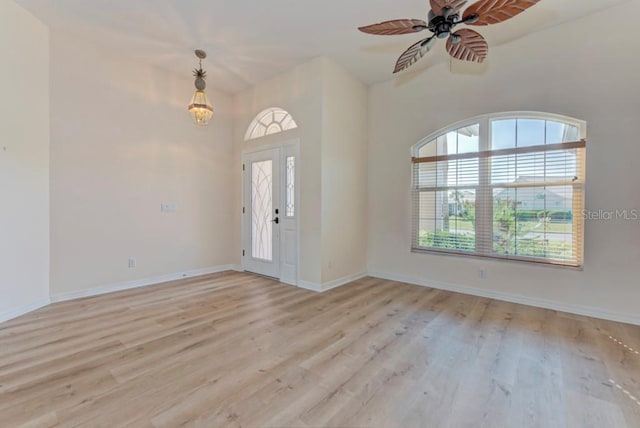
(501, 131)
(507, 186)
(270, 121)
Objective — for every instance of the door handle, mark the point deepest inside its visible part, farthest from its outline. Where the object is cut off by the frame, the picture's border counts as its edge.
(276, 220)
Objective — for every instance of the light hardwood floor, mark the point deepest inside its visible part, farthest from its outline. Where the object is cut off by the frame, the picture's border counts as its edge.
(233, 349)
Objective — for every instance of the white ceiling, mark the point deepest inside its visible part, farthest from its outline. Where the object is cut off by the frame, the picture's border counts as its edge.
(252, 40)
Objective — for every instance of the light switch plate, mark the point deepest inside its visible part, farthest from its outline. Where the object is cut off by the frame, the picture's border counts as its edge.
(168, 208)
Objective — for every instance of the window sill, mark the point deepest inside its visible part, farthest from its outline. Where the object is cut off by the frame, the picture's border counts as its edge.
(523, 260)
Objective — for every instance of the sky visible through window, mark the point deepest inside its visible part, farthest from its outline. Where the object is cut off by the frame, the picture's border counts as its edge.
(510, 133)
(532, 194)
(505, 134)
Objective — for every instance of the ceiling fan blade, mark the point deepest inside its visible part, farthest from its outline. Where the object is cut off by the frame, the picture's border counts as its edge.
(496, 11)
(414, 53)
(470, 46)
(397, 26)
(454, 5)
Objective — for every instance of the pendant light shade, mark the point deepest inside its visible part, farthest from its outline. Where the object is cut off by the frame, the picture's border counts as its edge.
(200, 107)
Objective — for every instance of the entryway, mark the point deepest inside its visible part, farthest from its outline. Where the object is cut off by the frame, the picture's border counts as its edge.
(270, 212)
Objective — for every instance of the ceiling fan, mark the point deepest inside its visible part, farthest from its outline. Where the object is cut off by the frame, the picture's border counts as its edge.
(444, 16)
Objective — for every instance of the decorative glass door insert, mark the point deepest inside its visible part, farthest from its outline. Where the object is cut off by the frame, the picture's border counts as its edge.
(261, 210)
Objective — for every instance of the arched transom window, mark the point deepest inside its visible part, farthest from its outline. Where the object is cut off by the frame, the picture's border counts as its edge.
(270, 121)
(508, 185)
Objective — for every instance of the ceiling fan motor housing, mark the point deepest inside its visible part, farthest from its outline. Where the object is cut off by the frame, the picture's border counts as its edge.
(442, 25)
(442, 19)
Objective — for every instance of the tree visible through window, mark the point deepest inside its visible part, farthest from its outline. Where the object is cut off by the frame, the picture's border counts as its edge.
(506, 186)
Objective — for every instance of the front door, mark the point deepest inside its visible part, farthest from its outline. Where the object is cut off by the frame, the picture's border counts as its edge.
(270, 213)
(262, 212)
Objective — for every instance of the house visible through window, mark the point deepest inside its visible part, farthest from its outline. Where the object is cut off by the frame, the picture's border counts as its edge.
(507, 186)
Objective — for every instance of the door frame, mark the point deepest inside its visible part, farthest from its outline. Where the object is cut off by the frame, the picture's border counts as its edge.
(290, 144)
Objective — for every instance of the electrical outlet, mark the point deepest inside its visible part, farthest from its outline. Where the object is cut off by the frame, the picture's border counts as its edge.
(132, 263)
(482, 273)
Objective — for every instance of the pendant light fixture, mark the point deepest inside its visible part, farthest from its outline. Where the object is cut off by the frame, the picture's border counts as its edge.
(200, 107)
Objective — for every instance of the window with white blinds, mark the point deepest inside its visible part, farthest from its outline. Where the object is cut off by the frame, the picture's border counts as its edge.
(507, 186)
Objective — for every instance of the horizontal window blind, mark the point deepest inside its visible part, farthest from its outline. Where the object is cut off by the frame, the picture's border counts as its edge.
(519, 203)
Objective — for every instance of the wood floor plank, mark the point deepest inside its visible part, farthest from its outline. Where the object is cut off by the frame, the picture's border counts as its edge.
(237, 350)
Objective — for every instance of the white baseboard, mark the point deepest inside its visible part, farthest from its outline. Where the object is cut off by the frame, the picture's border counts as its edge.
(127, 285)
(541, 303)
(314, 286)
(311, 286)
(529, 301)
(284, 281)
(15, 313)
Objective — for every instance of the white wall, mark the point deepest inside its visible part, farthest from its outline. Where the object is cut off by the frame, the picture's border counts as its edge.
(330, 107)
(570, 70)
(122, 143)
(300, 93)
(344, 174)
(24, 161)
